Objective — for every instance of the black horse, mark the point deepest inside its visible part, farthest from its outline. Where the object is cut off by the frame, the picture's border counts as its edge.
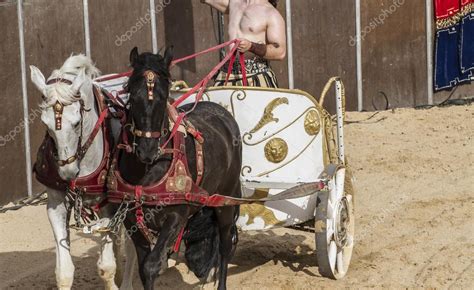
(210, 233)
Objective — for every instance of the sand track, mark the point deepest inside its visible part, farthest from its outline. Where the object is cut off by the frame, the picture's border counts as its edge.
(414, 206)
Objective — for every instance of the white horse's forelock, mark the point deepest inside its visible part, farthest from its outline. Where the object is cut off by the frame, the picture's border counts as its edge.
(72, 67)
(75, 63)
(59, 92)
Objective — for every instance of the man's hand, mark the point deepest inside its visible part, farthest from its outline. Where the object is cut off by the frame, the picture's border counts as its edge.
(244, 45)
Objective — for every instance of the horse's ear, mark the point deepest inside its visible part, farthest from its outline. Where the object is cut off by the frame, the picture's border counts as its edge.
(78, 82)
(168, 55)
(38, 79)
(134, 55)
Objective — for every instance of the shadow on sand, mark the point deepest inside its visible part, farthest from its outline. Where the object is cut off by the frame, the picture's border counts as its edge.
(35, 270)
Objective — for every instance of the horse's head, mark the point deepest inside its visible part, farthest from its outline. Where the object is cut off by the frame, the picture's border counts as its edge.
(67, 95)
(149, 90)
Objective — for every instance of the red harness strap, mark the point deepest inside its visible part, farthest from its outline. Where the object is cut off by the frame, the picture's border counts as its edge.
(175, 183)
(141, 223)
(97, 127)
(178, 240)
(94, 183)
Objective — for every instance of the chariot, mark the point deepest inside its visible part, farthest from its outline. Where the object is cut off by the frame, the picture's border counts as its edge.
(288, 140)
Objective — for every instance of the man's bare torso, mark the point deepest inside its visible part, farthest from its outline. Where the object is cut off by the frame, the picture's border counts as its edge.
(257, 24)
(248, 19)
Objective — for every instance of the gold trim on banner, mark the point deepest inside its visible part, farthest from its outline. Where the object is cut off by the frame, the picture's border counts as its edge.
(454, 19)
(268, 113)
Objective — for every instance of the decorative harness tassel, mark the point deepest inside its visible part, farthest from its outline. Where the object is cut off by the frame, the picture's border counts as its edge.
(141, 223)
(58, 115)
(150, 77)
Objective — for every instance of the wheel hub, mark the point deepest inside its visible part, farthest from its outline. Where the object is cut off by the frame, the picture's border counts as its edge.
(342, 223)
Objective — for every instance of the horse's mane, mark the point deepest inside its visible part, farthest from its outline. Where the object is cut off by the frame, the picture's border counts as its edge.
(71, 68)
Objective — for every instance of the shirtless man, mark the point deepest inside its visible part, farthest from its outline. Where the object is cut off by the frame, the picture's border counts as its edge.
(261, 30)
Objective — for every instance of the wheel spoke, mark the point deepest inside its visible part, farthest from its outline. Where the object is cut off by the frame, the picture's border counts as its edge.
(332, 255)
(350, 241)
(331, 210)
(340, 263)
(329, 233)
(333, 191)
(349, 198)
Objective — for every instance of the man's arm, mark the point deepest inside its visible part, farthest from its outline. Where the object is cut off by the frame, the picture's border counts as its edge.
(221, 5)
(276, 38)
(275, 49)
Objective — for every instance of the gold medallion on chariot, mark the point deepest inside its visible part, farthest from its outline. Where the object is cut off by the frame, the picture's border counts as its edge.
(276, 150)
(312, 124)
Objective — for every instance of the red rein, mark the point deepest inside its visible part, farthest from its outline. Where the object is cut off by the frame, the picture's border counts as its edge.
(203, 83)
(201, 86)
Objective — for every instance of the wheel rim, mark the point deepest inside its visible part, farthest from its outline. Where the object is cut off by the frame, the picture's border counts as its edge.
(335, 241)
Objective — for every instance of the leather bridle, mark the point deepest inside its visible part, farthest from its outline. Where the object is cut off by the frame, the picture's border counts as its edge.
(80, 150)
(58, 112)
(150, 78)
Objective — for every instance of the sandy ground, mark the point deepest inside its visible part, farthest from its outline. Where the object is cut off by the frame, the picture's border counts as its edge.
(414, 206)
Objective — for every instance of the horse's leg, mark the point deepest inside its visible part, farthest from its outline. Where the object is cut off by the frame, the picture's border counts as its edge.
(157, 260)
(58, 215)
(119, 253)
(130, 265)
(226, 223)
(106, 264)
(142, 250)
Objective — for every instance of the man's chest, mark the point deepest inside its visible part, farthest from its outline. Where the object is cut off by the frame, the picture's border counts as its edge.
(248, 18)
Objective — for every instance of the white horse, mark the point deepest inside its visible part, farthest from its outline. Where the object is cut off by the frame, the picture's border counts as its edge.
(74, 92)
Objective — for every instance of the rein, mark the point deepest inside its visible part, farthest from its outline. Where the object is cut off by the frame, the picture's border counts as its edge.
(231, 56)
